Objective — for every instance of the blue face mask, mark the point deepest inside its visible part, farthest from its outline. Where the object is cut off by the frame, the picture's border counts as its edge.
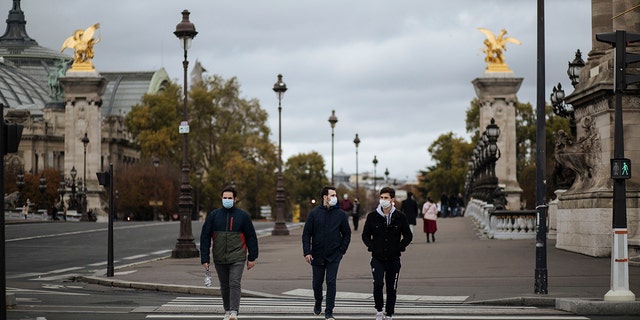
(227, 203)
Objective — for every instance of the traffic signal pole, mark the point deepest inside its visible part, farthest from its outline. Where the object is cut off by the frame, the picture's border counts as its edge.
(620, 167)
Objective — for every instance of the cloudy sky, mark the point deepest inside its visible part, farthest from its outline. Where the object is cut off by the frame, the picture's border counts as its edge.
(398, 73)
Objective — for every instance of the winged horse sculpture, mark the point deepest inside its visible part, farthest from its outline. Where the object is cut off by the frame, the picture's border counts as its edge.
(494, 48)
(82, 42)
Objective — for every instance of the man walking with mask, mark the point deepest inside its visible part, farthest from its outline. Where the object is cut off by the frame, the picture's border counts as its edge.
(234, 242)
(325, 239)
(386, 234)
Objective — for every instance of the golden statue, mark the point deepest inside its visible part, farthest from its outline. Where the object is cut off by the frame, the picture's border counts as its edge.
(82, 42)
(494, 47)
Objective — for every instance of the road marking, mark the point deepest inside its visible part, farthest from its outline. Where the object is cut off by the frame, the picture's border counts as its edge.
(81, 232)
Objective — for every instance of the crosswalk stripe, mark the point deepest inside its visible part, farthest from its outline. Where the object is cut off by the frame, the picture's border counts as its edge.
(300, 308)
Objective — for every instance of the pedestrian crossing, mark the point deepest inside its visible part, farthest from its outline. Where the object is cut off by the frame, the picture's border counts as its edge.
(194, 307)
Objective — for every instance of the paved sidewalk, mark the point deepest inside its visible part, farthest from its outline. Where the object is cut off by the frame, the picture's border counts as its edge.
(459, 267)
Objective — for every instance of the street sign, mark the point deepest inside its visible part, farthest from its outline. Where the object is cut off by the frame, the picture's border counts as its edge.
(620, 168)
(265, 211)
(184, 127)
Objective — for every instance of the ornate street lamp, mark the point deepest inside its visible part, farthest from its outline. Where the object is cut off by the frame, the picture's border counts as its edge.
(185, 247)
(196, 214)
(575, 67)
(375, 163)
(332, 121)
(20, 184)
(562, 109)
(156, 163)
(85, 217)
(356, 141)
(74, 200)
(280, 228)
(43, 189)
(386, 176)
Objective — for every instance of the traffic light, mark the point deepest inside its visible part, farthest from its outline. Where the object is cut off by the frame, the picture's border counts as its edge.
(12, 135)
(621, 168)
(620, 40)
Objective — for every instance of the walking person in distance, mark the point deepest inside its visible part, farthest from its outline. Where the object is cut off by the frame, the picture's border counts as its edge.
(229, 233)
(410, 208)
(325, 239)
(430, 214)
(386, 234)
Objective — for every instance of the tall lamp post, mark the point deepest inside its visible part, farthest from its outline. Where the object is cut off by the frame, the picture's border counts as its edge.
(43, 189)
(375, 163)
(356, 141)
(20, 184)
(196, 213)
(62, 190)
(156, 163)
(185, 247)
(332, 120)
(280, 228)
(386, 176)
(85, 217)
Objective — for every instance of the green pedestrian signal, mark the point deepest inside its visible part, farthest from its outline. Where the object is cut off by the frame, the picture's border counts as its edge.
(620, 168)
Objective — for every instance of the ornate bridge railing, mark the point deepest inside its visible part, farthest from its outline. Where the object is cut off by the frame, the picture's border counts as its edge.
(502, 224)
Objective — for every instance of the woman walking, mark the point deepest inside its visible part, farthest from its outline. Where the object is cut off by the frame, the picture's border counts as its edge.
(430, 214)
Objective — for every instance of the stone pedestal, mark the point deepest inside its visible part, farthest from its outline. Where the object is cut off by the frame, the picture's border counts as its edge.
(497, 94)
(83, 98)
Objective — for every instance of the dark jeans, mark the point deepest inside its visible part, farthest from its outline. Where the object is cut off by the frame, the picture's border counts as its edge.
(356, 219)
(385, 271)
(230, 276)
(330, 270)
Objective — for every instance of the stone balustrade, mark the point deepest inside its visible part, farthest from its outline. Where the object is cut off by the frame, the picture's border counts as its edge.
(502, 224)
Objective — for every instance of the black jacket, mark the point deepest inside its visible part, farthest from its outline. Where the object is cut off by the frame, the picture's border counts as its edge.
(326, 234)
(386, 242)
(410, 208)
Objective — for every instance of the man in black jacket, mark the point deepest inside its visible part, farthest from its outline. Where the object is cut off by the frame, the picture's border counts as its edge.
(410, 209)
(386, 234)
(325, 239)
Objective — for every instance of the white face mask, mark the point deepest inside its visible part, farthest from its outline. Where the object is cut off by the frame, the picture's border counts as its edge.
(385, 203)
(333, 201)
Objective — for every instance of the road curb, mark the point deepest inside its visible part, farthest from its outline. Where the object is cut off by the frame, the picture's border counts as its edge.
(210, 291)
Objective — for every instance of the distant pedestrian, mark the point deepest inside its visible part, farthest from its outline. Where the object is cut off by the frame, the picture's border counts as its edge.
(430, 214)
(355, 215)
(386, 234)
(229, 233)
(345, 204)
(325, 239)
(444, 205)
(460, 203)
(453, 205)
(410, 208)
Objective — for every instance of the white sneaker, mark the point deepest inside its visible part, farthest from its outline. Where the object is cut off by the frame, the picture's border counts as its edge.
(227, 315)
(233, 315)
(388, 318)
(380, 315)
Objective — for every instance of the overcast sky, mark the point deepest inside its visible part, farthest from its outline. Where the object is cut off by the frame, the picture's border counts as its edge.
(398, 73)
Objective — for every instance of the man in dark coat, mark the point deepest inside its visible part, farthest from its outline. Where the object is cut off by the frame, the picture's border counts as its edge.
(410, 208)
(386, 234)
(325, 239)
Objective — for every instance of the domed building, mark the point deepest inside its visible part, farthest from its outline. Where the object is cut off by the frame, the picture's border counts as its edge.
(32, 96)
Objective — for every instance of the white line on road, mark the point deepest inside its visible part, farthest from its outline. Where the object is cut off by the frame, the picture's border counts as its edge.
(81, 232)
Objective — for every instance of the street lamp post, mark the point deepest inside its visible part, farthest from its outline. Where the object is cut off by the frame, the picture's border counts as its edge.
(62, 190)
(332, 120)
(156, 163)
(185, 247)
(196, 214)
(85, 217)
(375, 163)
(20, 184)
(386, 176)
(356, 141)
(43, 189)
(280, 228)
